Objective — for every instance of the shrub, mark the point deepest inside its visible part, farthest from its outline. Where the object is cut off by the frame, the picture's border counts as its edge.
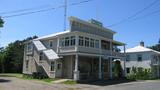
(140, 74)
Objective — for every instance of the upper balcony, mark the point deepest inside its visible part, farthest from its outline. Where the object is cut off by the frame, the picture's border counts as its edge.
(89, 45)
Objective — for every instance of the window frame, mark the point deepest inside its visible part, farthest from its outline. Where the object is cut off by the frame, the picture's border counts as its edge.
(67, 41)
(139, 57)
(92, 42)
(72, 40)
(50, 43)
(87, 42)
(81, 41)
(96, 43)
(52, 66)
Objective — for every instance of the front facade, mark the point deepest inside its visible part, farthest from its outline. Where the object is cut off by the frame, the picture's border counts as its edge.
(142, 57)
(86, 51)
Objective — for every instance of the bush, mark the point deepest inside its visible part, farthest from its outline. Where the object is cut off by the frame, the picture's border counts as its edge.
(140, 74)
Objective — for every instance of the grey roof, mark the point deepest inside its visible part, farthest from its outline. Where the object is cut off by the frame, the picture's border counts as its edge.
(50, 54)
(39, 45)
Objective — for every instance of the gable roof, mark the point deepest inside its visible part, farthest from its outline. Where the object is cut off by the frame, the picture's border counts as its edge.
(52, 35)
(140, 49)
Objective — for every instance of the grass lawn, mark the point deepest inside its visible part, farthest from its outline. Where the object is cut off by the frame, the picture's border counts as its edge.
(21, 76)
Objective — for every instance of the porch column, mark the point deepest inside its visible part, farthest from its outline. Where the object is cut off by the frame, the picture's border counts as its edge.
(55, 68)
(158, 67)
(124, 62)
(110, 60)
(76, 72)
(110, 67)
(100, 68)
(58, 45)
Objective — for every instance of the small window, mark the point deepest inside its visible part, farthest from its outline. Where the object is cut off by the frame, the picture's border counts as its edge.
(52, 66)
(41, 56)
(62, 42)
(139, 57)
(96, 43)
(86, 42)
(128, 58)
(27, 63)
(67, 41)
(50, 43)
(59, 65)
(80, 40)
(73, 40)
(91, 42)
(128, 70)
(29, 47)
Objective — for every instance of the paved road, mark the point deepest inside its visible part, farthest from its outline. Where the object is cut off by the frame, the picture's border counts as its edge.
(12, 83)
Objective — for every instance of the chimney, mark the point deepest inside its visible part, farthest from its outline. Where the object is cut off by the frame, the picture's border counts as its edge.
(142, 43)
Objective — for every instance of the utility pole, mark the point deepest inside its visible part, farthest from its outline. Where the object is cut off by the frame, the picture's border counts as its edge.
(65, 14)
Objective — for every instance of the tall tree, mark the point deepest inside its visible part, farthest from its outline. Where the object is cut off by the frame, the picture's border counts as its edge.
(1, 22)
(12, 56)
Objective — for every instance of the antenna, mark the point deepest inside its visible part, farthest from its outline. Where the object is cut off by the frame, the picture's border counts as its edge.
(65, 14)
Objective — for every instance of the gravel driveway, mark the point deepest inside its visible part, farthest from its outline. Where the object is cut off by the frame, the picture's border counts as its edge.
(13, 83)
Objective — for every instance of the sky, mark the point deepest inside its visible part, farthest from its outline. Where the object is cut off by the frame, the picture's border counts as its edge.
(108, 12)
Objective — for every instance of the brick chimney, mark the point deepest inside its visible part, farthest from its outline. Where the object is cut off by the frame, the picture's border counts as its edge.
(142, 43)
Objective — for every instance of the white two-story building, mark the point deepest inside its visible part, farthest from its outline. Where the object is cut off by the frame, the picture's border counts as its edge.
(142, 57)
(85, 51)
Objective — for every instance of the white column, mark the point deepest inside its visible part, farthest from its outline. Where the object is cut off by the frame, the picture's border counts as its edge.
(100, 68)
(110, 61)
(124, 62)
(76, 72)
(58, 45)
(76, 44)
(55, 68)
(110, 67)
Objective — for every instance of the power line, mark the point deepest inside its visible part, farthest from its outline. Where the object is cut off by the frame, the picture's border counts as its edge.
(44, 10)
(23, 10)
(65, 14)
(134, 15)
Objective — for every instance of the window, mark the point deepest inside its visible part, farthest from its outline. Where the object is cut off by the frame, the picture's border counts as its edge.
(91, 42)
(139, 57)
(86, 42)
(96, 43)
(67, 41)
(61, 42)
(29, 47)
(128, 58)
(59, 66)
(128, 70)
(80, 40)
(27, 62)
(73, 40)
(41, 56)
(50, 43)
(52, 66)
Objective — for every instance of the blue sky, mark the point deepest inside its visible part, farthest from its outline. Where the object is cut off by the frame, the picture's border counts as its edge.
(106, 11)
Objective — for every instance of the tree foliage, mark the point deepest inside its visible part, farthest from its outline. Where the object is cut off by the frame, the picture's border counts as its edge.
(1, 22)
(11, 57)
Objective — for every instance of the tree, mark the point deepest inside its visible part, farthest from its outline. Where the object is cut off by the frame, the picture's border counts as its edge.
(11, 57)
(1, 22)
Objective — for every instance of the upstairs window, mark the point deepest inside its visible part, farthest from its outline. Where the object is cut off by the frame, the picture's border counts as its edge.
(86, 42)
(29, 47)
(73, 40)
(61, 42)
(139, 57)
(80, 40)
(96, 43)
(67, 41)
(50, 43)
(92, 43)
(52, 66)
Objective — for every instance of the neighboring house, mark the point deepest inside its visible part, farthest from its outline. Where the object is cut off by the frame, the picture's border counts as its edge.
(86, 51)
(142, 57)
